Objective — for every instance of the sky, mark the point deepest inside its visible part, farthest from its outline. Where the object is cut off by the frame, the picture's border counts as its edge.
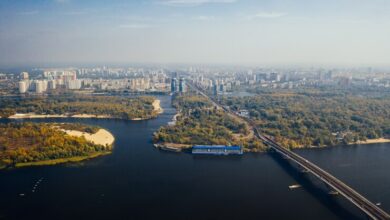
(263, 32)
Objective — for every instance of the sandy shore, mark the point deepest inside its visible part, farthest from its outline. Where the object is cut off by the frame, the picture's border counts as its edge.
(373, 141)
(102, 137)
(157, 106)
(33, 115)
(90, 116)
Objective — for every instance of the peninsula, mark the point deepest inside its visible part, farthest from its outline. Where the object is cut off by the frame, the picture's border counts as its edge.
(199, 123)
(32, 144)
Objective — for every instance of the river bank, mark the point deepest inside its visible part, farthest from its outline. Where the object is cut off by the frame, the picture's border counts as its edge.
(372, 141)
(61, 160)
(156, 107)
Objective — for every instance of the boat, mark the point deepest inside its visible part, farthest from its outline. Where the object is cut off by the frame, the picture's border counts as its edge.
(295, 186)
(168, 148)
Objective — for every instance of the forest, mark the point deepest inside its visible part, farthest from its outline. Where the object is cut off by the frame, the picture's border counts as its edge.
(199, 123)
(39, 142)
(113, 106)
(316, 117)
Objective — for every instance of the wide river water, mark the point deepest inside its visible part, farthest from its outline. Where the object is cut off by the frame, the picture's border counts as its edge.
(138, 181)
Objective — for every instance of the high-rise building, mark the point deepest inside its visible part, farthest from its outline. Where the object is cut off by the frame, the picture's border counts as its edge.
(182, 85)
(52, 84)
(39, 87)
(215, 88)
(275, 77)
(24, 75)
(222, 88)
(73, 84)
(174, 85)
(23, 86)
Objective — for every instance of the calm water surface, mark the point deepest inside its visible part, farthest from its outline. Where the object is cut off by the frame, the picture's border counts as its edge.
(140, 182)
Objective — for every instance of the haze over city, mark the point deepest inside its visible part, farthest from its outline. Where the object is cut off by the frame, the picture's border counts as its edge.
(195, 109)
(331, 32)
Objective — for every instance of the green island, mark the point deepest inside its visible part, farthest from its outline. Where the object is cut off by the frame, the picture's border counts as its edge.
(317, 117)
(199, 123)
(135, 108)
(32, 144)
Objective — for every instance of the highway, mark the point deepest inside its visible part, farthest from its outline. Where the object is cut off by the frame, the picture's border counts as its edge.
(350, 194)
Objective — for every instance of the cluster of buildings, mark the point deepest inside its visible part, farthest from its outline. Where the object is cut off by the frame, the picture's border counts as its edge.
(221, 81)
(86, 79)
(217, 80)
(51, 80)
(178, 85)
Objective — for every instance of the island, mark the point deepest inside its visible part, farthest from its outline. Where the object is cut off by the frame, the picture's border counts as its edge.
(33, 144)
(199, 123)
(81, 106)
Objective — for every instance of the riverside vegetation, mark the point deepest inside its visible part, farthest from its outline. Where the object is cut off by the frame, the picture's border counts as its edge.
(199, 123)
(26, 144)
(317, 117)
(110, 106)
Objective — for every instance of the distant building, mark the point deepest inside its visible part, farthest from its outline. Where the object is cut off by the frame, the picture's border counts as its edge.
(174, 85)
(243, 113)
(73, 84)
(182, 85)
(52, 85)
(23, 86)
(275, 77)
(39, 87)
(24, 75)
(222, 88)
(215, 88)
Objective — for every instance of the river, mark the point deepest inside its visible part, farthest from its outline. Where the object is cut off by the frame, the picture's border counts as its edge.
(138, 181)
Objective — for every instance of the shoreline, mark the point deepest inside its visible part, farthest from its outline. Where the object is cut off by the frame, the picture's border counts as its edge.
(62, 160)
(372, 141)
(156, 107)
(175, 147)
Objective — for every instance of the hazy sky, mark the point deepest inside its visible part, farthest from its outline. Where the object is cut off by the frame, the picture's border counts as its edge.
(195, 31)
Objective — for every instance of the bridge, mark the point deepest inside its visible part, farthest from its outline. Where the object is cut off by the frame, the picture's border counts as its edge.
(372, 210)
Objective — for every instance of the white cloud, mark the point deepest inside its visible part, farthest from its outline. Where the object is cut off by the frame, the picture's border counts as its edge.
(190, 3)
(134, 26)
(266, 15)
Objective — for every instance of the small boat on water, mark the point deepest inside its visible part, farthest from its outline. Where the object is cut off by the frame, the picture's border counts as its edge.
(378, 204)
(168, 148)
(295, 186)
(333, 193)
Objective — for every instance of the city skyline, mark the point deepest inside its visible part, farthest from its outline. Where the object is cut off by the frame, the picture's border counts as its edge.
(243, 32)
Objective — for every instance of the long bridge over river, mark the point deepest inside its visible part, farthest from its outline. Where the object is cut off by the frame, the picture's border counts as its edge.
(372, 210)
